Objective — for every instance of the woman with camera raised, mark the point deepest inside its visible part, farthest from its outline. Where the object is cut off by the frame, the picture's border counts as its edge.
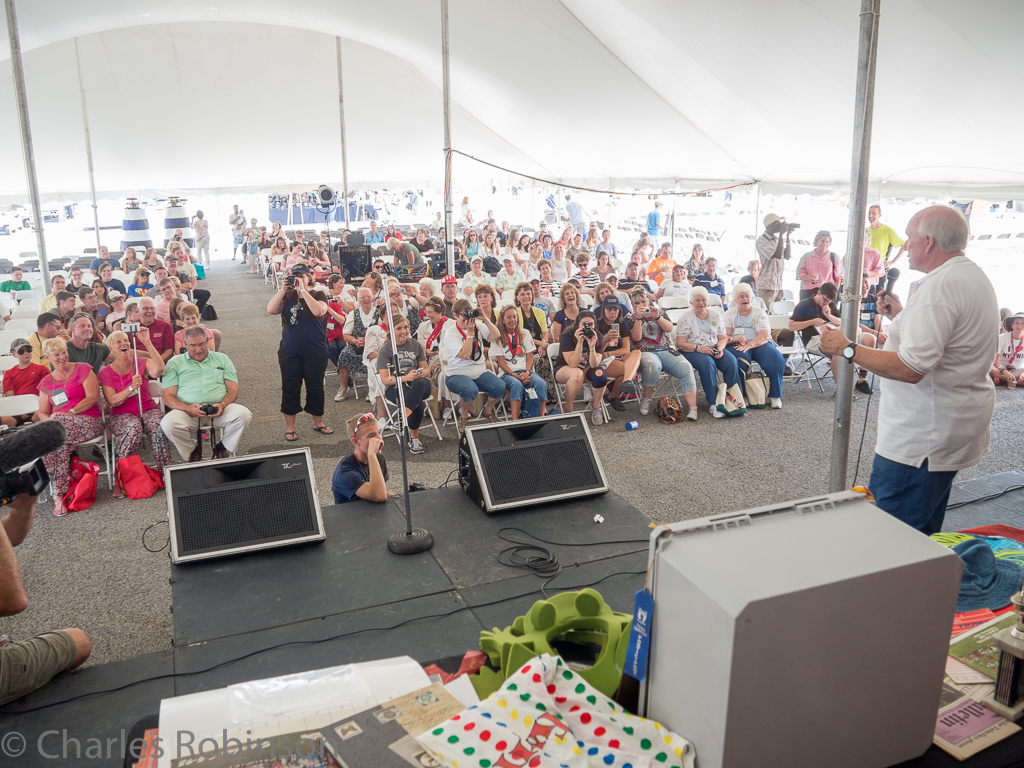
(467, 366)
(133, 412)
(302, 354)
(652, 333)
(579, 362)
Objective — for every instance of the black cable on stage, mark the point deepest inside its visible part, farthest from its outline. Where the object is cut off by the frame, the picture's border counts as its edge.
(310, 642)
(591, 189)
(985, 498)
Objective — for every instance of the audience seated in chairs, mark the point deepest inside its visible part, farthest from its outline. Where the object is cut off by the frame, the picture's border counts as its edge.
(412, 371)
(621, 362)
(750, 339)
(125, 384)
(467, 367)
(653, 335)
(202, 377)
(702, 338)
(350, 359)
(71, 395)
(22, 379)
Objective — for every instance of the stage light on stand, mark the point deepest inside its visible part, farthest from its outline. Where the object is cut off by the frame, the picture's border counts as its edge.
(325, 196)
(1008, 698)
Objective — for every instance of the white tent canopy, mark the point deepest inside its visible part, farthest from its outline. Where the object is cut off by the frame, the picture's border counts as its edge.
(190, 97)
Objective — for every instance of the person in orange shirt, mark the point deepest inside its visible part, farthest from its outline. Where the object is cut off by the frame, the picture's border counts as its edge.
(661, 265)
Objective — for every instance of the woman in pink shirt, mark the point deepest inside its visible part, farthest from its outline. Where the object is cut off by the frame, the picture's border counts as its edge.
(819, 266)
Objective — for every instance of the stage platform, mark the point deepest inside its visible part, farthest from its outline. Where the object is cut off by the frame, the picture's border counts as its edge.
(348, 599)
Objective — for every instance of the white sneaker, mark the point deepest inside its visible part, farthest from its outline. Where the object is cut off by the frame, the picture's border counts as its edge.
(342, 394)
(775, 402)
(596, 417)
(716, 413)
(691, 415)
(645, 406)
(415, 446)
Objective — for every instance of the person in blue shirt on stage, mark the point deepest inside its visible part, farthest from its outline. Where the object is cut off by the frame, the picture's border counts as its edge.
(363, 473)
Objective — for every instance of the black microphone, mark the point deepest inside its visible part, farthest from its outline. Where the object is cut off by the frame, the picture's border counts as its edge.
(29, 443)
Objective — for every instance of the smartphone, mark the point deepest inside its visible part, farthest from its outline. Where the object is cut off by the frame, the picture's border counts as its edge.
(615, 328)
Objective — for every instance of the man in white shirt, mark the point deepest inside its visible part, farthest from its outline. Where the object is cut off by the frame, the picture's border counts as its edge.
(937, 401)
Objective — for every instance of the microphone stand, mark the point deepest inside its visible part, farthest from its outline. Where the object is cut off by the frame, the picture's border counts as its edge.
(135, 354)
(411, 541)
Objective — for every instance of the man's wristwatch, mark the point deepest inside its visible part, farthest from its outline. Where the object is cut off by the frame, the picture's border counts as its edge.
(849, 351)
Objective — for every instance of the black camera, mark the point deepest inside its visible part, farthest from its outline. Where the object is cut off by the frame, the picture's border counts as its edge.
(208, 409)
(589, 332)
(471, 313)
(289, 282)
(786, 227)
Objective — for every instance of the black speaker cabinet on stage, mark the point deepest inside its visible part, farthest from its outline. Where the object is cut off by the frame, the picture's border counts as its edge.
(353, 260)
(518, 463)
(355, 239)
(230, 506)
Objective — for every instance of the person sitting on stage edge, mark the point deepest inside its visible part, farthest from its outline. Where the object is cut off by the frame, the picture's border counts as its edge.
(202, 377)
(363, 473)
(29, 664)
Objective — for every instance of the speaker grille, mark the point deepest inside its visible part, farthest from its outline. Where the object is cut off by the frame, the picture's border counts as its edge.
(524, 471)
(241, 516)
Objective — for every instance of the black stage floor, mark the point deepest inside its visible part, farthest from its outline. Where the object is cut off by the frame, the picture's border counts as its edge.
(349, 599)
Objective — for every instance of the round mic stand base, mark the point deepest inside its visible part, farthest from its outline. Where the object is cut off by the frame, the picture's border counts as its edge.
(410, 542)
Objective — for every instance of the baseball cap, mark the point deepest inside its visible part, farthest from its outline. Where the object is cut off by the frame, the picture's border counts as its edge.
(300, 268)
(114, 295)
(610, 301)
(771, 218)
(449, 279)
(477, 258)
(19, 343)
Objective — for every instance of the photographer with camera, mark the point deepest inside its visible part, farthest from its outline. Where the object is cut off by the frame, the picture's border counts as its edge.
(772, 249)
(29, 664)
(302, 353)
(579, 361)
(467, 365)
(202, 383)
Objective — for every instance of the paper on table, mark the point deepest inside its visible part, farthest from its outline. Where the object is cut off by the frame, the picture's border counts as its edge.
(463, 690)
(186, 720)
(961, 674)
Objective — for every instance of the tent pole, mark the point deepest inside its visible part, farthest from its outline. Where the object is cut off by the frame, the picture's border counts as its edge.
(757, 212)
(344, 146)
(449, 234)
(672, 232)
(18, 70)
(88, 147)
(866, 58)
(608, 219)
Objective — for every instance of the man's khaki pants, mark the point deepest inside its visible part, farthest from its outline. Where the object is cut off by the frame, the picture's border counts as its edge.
(180, 428)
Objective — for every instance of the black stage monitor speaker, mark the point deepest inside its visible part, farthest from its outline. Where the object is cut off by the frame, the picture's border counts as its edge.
(355, 239)
(354, 260)
(229, 506)
(515, 464)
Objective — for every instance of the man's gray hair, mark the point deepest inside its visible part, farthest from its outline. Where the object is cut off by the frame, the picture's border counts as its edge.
(947, 226)
(195, 330)
(163, 281)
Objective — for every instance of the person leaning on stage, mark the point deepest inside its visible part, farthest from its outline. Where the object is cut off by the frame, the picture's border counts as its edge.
(935, 416)
(202, 377)
(29, 664)
(363, 473)
(125, 384)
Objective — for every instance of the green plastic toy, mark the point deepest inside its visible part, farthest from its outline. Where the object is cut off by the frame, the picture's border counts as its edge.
(569, 620)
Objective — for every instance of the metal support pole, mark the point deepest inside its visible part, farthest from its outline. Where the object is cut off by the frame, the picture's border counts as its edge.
(20, 96)
(853, 264)
(344, 144)
(757, 213)
(449, 234)
(88, 148)
(672, 231)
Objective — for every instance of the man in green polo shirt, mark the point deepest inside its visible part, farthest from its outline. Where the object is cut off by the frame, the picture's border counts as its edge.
(202, 377)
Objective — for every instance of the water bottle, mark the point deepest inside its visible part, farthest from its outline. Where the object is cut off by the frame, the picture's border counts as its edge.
(631, 425)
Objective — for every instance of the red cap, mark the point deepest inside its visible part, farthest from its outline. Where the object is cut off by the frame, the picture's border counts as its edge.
(449, 279)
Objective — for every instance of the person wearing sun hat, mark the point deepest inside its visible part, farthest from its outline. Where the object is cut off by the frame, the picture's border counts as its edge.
(1008, 368)
(987, 581)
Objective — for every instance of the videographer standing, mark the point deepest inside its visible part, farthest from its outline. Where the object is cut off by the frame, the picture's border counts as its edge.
(29, 664)
(202, 379)
(771, 249)
(467, 364)
(302, 354)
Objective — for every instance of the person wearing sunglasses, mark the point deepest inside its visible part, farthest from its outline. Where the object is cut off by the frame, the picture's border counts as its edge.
(22, 379)
(363, 473)
(48, 326)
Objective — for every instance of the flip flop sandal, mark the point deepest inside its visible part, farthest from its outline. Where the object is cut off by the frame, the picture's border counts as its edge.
(294, 437)
(323, 430)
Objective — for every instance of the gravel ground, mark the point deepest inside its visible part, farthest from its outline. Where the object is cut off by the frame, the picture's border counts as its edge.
(91, 569)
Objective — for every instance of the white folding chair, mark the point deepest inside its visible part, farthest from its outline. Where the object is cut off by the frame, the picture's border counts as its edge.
(793, 352)
(787, 294)
(674, 302)
(102, 441)
(7, 338)
(784, 307)
(21, 296)
(21, 325)
(714, 300)
(7, 362)
(18, 404)
(29, 309)
(553, 353)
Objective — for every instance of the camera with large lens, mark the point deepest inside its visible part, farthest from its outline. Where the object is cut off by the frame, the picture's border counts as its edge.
(471, 313)
(208, 409)
(786, 227)
(589, 332)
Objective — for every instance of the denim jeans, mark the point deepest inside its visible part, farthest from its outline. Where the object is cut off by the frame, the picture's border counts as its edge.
(652, 364)
(771, 361)
(706, 366)
(914, 495)
(416, 393)
(516, 391)
(467, 389)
